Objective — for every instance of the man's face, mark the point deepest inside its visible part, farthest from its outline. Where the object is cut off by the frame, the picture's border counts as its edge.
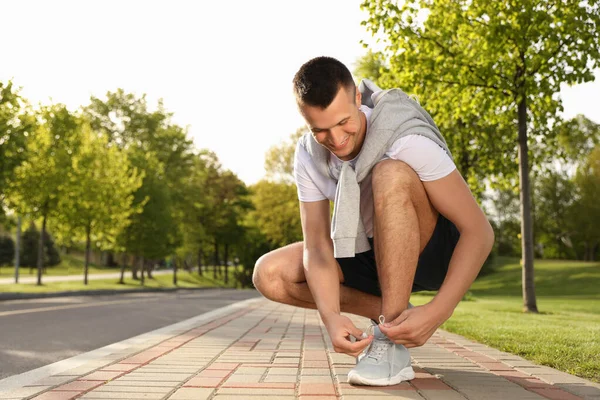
(341, 126)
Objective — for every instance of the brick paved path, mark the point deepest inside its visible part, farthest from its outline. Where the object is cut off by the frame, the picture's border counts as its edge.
(268, 351)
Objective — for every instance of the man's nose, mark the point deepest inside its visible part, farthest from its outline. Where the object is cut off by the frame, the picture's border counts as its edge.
(337, 136)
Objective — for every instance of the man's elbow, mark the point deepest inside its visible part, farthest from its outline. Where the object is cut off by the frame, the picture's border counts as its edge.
(489, 236)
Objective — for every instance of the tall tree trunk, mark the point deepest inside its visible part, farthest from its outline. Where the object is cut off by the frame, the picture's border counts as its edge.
(40, 258)
(18, 249)
(174, 271)
(123, 265)
(142, 261)
(150, 268)
(225, 256)
(87, 253)
(200, 255)
(216, 261)
(529, 300)
(135, 267)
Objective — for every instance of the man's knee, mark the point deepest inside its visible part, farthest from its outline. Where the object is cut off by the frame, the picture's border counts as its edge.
(393, 177)
(264, 275)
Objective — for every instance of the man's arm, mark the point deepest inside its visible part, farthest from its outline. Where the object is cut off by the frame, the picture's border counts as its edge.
(452, 198)
(323, 276)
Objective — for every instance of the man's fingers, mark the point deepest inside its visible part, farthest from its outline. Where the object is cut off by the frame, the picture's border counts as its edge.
(396, 321)
(353, 348)
(358, 334)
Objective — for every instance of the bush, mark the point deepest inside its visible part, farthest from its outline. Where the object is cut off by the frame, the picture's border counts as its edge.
(7, 250)
(29, 250)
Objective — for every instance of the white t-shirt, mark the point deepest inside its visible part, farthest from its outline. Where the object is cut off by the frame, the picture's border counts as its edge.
(427, 158)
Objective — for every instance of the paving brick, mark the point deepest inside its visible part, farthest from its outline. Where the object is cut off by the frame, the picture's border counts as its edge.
(191, 394)
(247, 392)
(261, 385)
(219, 365)
(125, 396)
(280, 378)
(119, 367)
(80, 385)
(214, 373)
(441, 395)
(430, 384)
(315, 364)
(317, 389)
(57, 395)
(102, 376)
(555, 394)
(203, 382)
(316, 379)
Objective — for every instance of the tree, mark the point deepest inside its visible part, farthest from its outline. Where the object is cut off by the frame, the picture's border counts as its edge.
(98, 193)
(586, 210)
(276, 212)
(126, 121)
(553, 200)
(38, 182)
(7, 250)
(279, 160)
(503, 59)
(16, 124)
(29, 249)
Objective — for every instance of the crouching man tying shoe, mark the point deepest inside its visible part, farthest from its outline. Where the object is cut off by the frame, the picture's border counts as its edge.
(404, 220)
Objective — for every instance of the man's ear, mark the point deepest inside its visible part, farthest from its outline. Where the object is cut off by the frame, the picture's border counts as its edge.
(358, 97)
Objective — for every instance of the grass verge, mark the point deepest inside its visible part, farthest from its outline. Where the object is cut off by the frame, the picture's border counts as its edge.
(565, 334)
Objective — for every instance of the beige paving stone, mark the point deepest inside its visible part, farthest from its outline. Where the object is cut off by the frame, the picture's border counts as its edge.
(280, 378)
(316, 379)
(245, 378)
(191, 394)
(255, 391)
(126, 396)
(127, 382)
(257, 397)
(134, 389)
(283, 371)
(316, 371)
(382, 395)
(252, 370)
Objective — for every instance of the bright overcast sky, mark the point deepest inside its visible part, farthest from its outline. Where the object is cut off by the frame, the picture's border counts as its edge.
(223, 67)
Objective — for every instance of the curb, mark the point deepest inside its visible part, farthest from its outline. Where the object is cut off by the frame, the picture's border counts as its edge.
(125, 348)
(99, 292)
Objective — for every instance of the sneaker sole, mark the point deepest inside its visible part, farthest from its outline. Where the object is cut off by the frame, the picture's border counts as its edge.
(405, 374)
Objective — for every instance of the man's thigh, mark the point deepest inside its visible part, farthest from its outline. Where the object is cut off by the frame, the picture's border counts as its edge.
(286, 263)
(360, 271)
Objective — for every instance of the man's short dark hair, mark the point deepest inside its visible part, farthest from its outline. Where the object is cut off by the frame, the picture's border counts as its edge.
(318, 81)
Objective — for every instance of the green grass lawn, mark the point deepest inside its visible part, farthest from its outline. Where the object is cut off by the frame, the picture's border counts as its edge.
(73, 265)
(69, 265)
(565, 334)
(184, 280)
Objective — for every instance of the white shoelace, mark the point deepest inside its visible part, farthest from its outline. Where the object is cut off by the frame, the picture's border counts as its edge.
(379, 347)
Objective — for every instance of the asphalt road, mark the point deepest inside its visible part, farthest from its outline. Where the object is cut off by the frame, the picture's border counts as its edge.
(37, 332)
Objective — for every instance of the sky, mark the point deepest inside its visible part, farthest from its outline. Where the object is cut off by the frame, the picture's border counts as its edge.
(223, 68)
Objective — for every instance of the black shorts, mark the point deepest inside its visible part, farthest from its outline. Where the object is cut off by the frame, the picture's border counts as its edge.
(360, 271)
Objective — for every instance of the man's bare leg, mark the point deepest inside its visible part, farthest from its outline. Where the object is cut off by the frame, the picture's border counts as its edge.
(279, 276)
(403, 224)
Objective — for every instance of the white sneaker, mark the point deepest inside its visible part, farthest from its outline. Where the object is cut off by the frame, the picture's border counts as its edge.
(383, 364)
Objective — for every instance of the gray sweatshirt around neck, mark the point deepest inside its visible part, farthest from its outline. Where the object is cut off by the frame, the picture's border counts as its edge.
(394, 115)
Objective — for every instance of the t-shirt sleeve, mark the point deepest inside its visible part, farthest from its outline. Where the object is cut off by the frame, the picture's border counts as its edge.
(426, 157)
(307, 189)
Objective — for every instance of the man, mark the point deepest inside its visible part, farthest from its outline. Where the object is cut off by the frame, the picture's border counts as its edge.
(404, 221)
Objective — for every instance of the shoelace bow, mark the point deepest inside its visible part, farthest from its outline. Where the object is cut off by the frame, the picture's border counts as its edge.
(379, 346)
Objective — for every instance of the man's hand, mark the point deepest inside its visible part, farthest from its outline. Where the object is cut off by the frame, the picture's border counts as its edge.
(340, 328)
(415, 325)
